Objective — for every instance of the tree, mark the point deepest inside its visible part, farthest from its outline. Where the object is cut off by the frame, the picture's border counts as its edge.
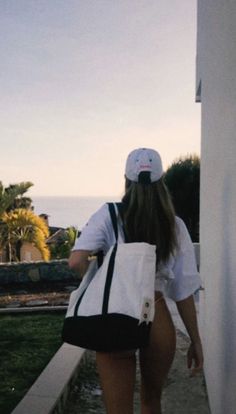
(62, 248)
(20, 201)
(9, 195)
(22, 225)
(183, 181)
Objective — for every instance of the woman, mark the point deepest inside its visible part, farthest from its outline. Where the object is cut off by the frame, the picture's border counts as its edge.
(147, 216)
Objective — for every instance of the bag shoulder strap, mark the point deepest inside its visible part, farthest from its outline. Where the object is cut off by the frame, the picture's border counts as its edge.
(115, 209)
(113, 215)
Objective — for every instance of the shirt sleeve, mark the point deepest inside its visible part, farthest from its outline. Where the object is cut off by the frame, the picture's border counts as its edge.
(96, 234)
(186, 280)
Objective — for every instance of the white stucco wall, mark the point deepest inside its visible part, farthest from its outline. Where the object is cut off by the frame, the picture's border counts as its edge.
(216, 69)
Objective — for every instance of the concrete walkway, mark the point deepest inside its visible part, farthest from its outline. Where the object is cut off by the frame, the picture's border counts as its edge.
(182, 393)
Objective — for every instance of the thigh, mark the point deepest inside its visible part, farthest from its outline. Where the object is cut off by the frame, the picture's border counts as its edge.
(156, 359)
(117, 375)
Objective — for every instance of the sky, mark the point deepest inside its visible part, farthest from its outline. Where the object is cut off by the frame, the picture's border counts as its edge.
(84, 82)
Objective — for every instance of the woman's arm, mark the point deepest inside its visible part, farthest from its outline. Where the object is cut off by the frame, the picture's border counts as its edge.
(78, 262)
(187, 311)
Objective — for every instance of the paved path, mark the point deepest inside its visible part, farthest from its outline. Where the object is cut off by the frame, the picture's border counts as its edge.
(182, 394)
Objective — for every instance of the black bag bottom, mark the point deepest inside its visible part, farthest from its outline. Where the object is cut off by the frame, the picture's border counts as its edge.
(105, 333)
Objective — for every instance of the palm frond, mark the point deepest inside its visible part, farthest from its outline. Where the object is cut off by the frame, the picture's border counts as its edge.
(24, 225)
(9, 194)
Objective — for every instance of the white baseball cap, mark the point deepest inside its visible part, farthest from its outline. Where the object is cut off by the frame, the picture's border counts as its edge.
(143, 160)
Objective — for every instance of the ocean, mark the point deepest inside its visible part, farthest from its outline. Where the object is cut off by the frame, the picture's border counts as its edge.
(68, 211)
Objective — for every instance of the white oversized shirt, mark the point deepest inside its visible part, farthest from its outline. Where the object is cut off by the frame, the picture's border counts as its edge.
(178, 278)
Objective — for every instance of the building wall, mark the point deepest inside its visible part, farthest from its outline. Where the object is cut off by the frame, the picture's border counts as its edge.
(2, 256)
(29, 253)
(216, 89)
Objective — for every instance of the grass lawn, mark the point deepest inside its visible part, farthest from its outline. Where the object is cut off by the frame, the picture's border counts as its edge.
(27, 344)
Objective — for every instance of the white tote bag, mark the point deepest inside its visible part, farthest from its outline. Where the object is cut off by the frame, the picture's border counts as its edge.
(113, 307)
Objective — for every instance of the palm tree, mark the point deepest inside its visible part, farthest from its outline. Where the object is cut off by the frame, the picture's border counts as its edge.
(8, 195)
(23, 225)
(20, 201)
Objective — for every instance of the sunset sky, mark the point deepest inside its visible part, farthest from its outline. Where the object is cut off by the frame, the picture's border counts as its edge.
(83, 82)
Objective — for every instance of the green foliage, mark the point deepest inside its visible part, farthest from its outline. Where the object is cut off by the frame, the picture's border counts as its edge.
(62, 249)
(27, 344)
(23, 225)
(183, 181)
(18, 223)
(9, 195)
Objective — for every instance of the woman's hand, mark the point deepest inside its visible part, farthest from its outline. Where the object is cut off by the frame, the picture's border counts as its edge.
(188, 314)
(195, 358)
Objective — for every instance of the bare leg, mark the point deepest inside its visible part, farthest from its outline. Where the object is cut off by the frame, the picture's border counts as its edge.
(117, 374)
(156, 359)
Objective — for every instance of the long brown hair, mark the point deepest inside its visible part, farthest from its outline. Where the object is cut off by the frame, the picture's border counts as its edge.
(148, 216)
